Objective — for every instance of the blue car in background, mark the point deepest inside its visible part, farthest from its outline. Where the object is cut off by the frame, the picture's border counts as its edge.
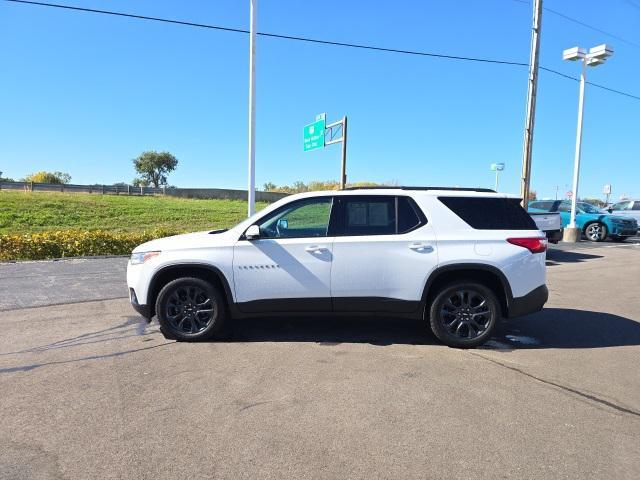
(595, 225)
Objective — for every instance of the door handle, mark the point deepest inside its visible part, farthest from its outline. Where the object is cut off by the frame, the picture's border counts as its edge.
(421, 247)
(315, 249)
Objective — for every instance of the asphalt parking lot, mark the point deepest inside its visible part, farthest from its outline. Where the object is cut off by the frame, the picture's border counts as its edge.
(89, 390)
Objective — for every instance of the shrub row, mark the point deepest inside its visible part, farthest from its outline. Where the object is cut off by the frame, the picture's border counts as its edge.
(73, 243)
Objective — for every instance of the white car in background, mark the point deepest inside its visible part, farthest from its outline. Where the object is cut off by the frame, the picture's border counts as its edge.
(626, 208)
(459, 259)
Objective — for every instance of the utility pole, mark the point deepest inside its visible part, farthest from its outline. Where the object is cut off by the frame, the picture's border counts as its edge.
(343, 170)
(531, 102)
(251, 188)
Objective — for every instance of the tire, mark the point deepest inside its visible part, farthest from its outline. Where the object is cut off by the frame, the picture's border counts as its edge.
(180, 317)
(595, 232)
(463, 314)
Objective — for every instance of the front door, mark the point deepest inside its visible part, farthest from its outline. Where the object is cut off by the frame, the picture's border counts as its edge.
(289, 267)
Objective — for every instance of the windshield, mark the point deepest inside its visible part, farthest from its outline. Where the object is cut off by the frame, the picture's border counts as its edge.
(588, 208)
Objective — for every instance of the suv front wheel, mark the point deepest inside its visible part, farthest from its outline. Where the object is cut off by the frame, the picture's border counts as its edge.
(463, 314)
(191, 309)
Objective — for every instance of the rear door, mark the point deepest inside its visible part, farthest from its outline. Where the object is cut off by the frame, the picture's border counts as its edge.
(289, 267)
(383, 251)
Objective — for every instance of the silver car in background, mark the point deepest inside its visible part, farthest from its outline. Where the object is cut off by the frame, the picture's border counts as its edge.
(626, 208)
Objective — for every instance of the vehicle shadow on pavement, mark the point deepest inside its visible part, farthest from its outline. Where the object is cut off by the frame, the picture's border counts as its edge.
(331, 331)
(550, 328)
(566, 328)
(557, 257)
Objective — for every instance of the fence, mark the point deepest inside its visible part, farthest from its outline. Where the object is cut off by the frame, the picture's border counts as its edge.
(220, 193)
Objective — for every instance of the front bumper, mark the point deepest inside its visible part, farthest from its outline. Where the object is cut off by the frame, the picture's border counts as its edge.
(143, 310)
(530, 303)
(623, 230)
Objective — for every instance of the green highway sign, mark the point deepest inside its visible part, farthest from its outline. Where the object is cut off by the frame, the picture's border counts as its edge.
(313, 135)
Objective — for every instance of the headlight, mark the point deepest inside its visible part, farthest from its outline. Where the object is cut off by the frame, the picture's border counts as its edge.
(617, 221)
(141, 257)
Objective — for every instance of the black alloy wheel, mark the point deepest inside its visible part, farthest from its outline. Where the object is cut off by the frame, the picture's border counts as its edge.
(190, 309)
(463, 314)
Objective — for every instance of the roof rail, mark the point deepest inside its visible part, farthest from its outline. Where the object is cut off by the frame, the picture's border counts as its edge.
(455, 189)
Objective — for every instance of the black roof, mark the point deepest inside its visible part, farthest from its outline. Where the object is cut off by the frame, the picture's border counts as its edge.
(455, 189)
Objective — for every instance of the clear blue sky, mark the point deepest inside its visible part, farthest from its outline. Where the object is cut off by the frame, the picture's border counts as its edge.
(85, 93)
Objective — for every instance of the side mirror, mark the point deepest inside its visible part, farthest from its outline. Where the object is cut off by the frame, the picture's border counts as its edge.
(610, 210)
(253, 232)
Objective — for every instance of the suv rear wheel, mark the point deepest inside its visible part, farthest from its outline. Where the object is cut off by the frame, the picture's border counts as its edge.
(463, 314)
(191, 309)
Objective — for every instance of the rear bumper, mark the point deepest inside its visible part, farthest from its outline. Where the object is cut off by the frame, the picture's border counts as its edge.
(530, 303)
(553, 236)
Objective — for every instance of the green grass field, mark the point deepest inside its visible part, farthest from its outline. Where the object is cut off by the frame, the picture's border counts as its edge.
(26, 212)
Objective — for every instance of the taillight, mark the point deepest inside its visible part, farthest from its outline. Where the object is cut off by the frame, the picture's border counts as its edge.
(533, 244)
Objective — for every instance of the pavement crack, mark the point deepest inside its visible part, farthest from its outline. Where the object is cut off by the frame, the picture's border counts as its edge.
(584, 395)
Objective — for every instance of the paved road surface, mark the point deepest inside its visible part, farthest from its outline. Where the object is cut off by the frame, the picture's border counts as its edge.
(30, 284)
(90, 391)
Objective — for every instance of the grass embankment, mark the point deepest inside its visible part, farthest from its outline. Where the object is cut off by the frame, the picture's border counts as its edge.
(42, 225)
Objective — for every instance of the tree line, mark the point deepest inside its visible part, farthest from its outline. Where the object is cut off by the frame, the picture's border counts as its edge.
(152, 168)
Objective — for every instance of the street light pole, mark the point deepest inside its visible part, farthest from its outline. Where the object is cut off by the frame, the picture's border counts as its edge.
(576, 161)
(251, 187)
(497, 167)
(596, 56)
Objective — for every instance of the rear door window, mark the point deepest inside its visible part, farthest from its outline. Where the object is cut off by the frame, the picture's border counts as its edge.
(377, 215)
(370, 216)
(489, 213)
(408, 216)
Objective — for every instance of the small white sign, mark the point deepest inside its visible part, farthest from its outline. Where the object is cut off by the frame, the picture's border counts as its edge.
(607, 189)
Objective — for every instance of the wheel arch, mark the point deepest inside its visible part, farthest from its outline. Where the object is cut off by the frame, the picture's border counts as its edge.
(205, 272)
(488, 275)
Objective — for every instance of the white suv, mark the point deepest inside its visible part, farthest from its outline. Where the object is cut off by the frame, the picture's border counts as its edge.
(458, 258)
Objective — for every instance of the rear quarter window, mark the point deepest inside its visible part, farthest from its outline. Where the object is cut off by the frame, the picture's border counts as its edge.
(487, 213)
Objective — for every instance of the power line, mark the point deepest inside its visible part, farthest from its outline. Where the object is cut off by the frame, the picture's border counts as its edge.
(271, 35)
(313, 40)
(612, 35)
(633, 4)
(558, 73)
(614, 91)
(569, 77)
(586, 25)
(130, 15)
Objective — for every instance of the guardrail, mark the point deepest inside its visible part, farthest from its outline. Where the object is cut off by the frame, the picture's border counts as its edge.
(202, 193)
